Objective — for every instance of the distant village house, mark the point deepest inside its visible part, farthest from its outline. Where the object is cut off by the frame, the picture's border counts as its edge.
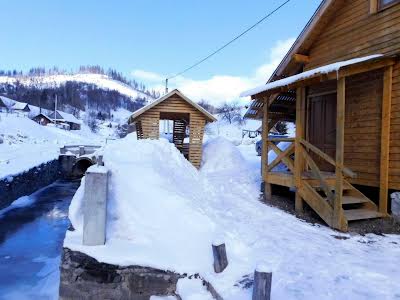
(66, 118)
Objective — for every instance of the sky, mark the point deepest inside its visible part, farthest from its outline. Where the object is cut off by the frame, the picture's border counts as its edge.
(150, 40)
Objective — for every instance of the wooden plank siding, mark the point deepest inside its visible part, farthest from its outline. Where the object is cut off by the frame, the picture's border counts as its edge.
(353, 32)
(176, 107)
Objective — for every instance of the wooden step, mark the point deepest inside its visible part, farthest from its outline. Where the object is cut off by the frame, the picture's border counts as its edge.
(353, 200)
(360, 214)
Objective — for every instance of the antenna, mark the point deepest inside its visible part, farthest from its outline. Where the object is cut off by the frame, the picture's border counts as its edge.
(166, 85)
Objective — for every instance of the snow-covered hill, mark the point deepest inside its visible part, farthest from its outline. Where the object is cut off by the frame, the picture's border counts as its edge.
(101, 81)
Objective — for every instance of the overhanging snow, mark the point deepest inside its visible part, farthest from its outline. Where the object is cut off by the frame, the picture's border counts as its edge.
(308, 74)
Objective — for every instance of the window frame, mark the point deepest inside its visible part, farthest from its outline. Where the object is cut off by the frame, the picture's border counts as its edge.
(384, 6)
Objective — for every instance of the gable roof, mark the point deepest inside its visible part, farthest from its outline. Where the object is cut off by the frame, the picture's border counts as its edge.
(310, 32)
(209, 117)
(42, 115)
(20, 106)
(65, 117)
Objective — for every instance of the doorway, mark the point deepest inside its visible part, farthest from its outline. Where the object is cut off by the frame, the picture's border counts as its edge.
(322, 127)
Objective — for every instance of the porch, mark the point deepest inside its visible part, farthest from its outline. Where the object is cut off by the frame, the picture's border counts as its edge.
(317, 158)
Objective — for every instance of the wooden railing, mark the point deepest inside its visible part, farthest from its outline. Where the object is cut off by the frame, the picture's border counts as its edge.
(283, 156)
(346, 171)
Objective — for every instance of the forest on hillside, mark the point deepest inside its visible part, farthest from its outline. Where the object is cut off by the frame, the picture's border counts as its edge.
(75, 96)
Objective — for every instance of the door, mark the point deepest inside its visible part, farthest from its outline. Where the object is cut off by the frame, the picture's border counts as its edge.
(322, 127)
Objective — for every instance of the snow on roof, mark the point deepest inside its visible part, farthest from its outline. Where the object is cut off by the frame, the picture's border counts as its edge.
(165, 97)
(335, 67)
(19, 105)
(67, 117)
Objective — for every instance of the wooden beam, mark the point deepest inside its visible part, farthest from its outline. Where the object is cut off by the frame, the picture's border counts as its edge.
(367, 66)
(385, 140)
(299, 163)
(326, 157)
(301, 58)
(264, 151)
(286, 160)
(317, 174)
(281, 155)
(340, 117)
(373, 6)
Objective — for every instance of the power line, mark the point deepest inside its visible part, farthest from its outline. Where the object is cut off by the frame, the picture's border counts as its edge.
(228, 43)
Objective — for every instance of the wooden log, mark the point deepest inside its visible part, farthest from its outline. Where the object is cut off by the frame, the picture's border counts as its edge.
(299, 163)
(220, 257)
(262, 285)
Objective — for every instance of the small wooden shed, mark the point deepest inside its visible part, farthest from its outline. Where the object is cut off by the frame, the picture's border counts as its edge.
(188, 118)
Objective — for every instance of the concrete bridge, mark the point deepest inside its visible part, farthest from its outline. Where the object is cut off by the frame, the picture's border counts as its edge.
(74, 160)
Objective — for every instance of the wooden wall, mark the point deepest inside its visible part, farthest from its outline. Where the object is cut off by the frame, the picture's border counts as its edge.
(149, 124)
(354, 32)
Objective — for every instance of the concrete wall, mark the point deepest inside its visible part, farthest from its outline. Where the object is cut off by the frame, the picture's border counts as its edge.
(13, 187)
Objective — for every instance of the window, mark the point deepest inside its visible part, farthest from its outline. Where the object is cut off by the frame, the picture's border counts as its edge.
(377, 5)
(386, 3)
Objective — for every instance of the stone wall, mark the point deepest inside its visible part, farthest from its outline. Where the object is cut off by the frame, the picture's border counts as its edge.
(83, 277)
(13, 187)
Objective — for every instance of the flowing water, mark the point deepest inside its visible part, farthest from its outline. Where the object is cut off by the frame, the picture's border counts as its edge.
(31, 238)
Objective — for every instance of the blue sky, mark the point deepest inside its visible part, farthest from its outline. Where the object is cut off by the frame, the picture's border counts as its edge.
(150, 39)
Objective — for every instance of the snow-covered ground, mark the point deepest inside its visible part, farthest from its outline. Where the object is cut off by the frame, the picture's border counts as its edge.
(164, 213)
(27, 144)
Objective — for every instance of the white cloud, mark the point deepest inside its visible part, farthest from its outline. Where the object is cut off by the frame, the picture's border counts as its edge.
(220, 88)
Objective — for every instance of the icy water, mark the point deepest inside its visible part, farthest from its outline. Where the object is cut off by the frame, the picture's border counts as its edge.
(31, 239)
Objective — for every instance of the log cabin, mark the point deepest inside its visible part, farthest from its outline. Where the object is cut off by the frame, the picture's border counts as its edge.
(340, 84)
(186, 116)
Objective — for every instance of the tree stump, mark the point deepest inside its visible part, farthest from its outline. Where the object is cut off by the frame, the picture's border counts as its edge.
(262, 285)
(220, 258)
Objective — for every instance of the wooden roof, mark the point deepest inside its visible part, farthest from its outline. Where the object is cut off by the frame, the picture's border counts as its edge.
(208, 116)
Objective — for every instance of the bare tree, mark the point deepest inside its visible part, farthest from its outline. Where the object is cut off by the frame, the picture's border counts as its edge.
(230, 112)
(207, 106)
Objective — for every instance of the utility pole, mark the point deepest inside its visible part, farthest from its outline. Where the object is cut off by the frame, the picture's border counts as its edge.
(55, 111)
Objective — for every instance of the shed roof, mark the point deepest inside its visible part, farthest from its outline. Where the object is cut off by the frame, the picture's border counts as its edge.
(208, 116)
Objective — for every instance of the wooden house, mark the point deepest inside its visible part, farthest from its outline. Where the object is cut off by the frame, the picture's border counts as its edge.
(21, 107)
(340, 83)
(186, 116)
(68, 119)
(42, 119)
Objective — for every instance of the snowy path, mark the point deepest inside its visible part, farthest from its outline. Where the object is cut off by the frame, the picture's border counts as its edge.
(307, 261)
(30, 244)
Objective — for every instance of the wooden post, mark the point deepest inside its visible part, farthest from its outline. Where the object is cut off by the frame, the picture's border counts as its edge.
(220, 258)
(264, 154)
(298, 157)
(340, 115)
(385, 140)
(262, 285)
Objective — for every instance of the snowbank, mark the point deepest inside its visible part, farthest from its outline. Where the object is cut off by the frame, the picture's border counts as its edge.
(164, 213)
(27, 144)
(151, 185)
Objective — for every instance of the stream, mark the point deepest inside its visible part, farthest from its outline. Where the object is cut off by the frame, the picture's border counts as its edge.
(31, 238)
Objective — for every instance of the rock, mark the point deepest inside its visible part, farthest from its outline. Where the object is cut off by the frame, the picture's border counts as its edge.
(83, 277)
(395, 205)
